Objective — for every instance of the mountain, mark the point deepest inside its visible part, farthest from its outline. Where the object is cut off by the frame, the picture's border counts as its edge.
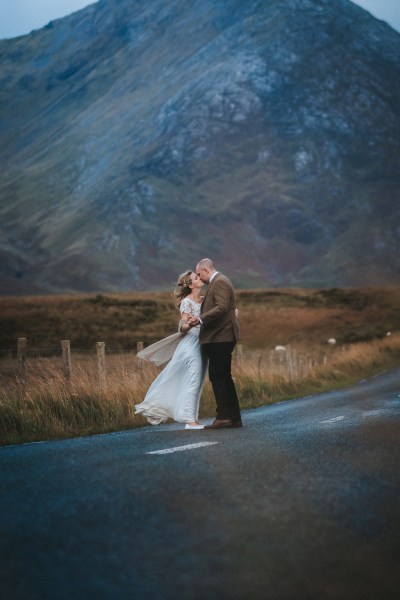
(138, 137)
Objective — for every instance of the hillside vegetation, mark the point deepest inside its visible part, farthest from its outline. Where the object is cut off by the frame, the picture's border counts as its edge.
(136, 136)
(267, 317)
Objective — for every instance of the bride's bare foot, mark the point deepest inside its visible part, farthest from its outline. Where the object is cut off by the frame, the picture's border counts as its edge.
(192, 423)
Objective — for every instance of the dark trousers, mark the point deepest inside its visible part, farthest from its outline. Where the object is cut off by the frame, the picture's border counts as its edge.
(219, 355)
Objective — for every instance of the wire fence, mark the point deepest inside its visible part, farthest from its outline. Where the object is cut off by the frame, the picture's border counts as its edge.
(23, 360)
(100, 361)
(32, 354)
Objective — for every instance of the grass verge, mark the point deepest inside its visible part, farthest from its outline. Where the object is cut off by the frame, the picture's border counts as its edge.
(42, 406)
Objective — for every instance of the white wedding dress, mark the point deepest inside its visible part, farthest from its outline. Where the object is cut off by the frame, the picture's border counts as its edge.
(176, 392)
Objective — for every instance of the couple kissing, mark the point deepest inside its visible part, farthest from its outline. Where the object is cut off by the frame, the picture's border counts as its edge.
(208, 332)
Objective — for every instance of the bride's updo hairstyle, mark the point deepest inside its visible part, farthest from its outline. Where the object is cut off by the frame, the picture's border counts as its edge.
(183, 288)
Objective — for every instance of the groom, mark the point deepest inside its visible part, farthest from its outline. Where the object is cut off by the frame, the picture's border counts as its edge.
(219, 332)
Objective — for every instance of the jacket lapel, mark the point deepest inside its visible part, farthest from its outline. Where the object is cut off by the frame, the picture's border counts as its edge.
(208, 289)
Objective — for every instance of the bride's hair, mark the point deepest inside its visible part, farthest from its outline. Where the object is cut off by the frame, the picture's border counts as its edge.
(183, 288)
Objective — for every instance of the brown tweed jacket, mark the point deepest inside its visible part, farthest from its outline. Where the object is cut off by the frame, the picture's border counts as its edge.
(218, 312)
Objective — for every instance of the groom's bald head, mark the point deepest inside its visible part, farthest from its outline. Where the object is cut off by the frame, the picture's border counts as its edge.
(206, 263)
(204, 269)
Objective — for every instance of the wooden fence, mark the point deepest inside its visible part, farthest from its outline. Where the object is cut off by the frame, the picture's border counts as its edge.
(286, 361)
(23, 360)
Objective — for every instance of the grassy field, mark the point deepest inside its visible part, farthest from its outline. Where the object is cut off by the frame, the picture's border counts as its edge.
(267, 318)
(42, 405)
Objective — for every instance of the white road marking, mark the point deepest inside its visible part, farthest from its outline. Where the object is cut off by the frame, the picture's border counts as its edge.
(333, 420)
(182, 448)
(371, 413)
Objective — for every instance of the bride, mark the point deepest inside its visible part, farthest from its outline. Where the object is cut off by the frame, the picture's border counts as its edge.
(176, 392)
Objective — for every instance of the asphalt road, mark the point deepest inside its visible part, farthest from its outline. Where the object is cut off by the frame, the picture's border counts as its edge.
(302, 503)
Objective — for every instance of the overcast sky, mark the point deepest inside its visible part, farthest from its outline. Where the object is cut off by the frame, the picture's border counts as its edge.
(18, 17)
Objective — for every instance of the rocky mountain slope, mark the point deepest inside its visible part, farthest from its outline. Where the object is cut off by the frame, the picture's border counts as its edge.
(137, 137)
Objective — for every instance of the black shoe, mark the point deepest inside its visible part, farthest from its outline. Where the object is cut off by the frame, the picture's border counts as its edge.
(219, 424)
(224, 424)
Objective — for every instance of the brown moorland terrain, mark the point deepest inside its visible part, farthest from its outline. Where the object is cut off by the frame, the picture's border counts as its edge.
(300, 317)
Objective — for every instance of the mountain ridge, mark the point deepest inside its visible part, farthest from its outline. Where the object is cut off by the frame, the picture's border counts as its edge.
(264, 135)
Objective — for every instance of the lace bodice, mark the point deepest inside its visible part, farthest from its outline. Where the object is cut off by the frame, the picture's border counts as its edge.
(190, 308)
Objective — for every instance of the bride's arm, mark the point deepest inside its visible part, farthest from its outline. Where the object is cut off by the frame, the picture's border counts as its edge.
(183, 323)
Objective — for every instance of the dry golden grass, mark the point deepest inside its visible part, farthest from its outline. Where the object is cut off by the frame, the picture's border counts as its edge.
(119, 320)
(337, 368)
(42, 405)
(311, 317)
(267, 317)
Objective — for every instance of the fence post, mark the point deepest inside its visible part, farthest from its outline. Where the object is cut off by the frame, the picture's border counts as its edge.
(289, 363)
(301, 365)
(66, 356)
(239, 355)
(271, 358)
(259, 361)
(139, 347)
(21, 355)
(101, 363)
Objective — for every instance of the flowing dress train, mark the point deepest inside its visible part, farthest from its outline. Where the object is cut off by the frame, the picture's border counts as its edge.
(176, 391)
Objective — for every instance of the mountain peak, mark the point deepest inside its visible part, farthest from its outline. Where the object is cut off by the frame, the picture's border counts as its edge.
(136, 138)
